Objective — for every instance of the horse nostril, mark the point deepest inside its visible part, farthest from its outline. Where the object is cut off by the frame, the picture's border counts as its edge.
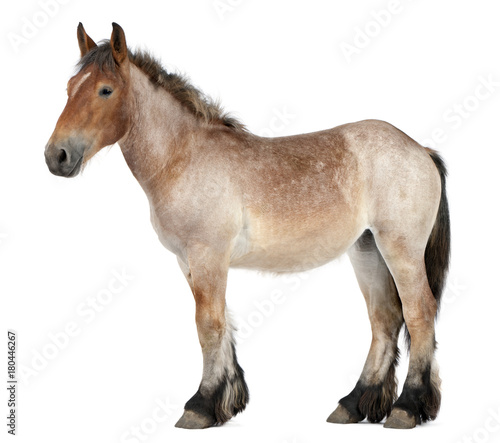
(62, 156)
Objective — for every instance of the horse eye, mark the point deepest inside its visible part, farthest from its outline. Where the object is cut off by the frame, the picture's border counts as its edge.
(105, 92)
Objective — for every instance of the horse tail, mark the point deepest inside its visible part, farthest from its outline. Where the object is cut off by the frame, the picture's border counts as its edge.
(437, 251)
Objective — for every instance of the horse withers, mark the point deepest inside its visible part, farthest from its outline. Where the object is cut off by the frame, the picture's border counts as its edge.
(223, 197)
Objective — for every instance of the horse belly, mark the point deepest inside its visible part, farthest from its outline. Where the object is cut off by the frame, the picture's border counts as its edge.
(292, 246)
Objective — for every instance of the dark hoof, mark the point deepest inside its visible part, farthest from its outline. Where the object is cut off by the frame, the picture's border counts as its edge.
(192, 420)
(400, 419)
(341, 415)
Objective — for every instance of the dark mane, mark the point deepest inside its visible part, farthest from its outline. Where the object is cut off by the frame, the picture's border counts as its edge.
(177, 85)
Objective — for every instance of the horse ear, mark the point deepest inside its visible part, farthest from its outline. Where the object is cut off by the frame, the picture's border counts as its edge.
(118, 44)
(84, 41)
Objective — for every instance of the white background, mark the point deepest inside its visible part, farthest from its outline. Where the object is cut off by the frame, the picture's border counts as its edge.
(61, 240)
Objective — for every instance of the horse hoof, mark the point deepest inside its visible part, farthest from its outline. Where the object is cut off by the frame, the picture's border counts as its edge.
(400, 419)
(192, 420)
(341, 415)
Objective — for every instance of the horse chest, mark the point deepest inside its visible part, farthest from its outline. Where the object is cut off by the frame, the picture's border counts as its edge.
(163, 226)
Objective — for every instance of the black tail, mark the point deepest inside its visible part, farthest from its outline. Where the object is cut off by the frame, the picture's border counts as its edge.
(437, 252)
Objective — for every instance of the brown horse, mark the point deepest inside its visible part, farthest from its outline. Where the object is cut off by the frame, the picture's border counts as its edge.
(221, 196)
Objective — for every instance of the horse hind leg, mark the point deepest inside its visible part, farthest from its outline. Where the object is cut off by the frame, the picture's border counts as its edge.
(421, 397)
(376, 389)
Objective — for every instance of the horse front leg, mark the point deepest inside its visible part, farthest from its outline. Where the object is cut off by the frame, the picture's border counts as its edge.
(222, 392)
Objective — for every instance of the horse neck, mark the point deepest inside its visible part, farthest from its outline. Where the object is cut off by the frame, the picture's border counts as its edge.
(160, 128)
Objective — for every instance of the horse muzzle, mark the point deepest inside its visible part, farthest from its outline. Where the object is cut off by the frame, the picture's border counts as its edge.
(65, 159)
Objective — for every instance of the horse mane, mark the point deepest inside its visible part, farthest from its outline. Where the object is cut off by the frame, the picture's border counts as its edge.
(199, 104)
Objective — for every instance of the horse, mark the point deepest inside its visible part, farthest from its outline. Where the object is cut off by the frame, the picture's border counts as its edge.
(221, 196)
